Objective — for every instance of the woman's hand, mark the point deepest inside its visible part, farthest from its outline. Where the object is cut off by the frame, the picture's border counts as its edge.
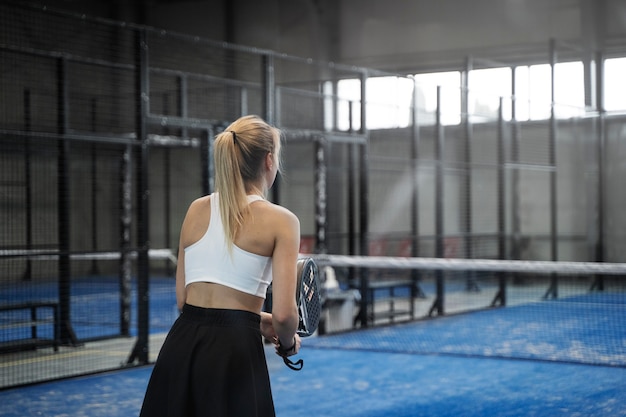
(267, 328)
(286, 351)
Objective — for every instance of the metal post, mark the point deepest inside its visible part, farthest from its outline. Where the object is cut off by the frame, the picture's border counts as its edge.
(601, 150)
(516, 221)
(553, 290)
(142, 97)
(439, 180)
(601, 156)
(416, 291)
(63, 194)
(321, 223)
(277, 105)
(351, 206)
(126, 221)
(29, 183)
(363, 207)
(351, 215)
(415, 140)
(552, 157)
(206, 160)
(352, 164)
(466, 190)
(438, 304)
(243, 97)
(181, 100)
(335, 105)
(269, 107)
(593, 37)
(167, 187)
(501, 196)
(94, 188)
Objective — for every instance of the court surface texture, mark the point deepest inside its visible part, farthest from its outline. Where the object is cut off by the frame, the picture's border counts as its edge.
(424, 368)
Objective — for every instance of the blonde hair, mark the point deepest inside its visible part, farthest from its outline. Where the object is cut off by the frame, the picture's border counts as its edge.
(240, 153)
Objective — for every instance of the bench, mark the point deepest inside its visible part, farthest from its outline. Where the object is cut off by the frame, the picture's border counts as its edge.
(31, 319)
(388, 282)
(389, 286)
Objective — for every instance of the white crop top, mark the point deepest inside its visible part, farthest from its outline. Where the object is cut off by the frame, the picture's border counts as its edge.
(208, 259)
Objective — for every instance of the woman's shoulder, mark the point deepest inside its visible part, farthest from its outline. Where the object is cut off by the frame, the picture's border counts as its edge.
(277, 213)
(274, 208)
(200, 201)
(198, 205)
(196, 221)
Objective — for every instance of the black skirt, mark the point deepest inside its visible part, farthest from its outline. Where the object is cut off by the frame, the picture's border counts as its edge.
(212, 363)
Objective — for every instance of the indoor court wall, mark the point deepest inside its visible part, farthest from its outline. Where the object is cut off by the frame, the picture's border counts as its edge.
(104, 148)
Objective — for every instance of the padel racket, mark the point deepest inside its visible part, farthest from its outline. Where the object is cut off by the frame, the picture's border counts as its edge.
(308, 301)
(308, 297)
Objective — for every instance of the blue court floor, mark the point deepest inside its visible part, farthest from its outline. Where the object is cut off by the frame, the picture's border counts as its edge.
(551, 358)
(342, 383)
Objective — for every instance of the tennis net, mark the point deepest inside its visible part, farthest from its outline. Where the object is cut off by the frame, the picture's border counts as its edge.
(553, 311)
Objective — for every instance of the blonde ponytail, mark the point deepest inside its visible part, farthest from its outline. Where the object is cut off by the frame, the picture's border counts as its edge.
(240, 152)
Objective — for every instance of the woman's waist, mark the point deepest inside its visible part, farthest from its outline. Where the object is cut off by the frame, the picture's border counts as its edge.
(219, 296)
(221, 316)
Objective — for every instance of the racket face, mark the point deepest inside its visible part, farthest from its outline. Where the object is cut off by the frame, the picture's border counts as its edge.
(308, 297)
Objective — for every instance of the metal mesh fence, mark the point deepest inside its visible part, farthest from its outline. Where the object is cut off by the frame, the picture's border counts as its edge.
(106, 135)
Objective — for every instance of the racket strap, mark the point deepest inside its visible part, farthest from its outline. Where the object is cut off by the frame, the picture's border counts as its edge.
(296, 366)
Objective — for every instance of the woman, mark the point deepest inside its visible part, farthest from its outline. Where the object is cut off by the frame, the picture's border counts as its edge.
(233, 243)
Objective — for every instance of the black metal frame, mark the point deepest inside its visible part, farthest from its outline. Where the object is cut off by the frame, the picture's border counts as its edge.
(135, 168)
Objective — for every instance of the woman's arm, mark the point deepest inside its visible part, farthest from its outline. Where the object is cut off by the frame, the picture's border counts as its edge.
(180, 278)
(284, 260)
(188, 235)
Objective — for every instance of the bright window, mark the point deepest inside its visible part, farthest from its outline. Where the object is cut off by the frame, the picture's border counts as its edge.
(349, 104)
(389, 101)
(533, 92)
(569, 89)
(450, 83)
(486, 87)
(615, 84)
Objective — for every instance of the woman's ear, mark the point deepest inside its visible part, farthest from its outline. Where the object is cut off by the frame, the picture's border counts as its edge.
(269, 161)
